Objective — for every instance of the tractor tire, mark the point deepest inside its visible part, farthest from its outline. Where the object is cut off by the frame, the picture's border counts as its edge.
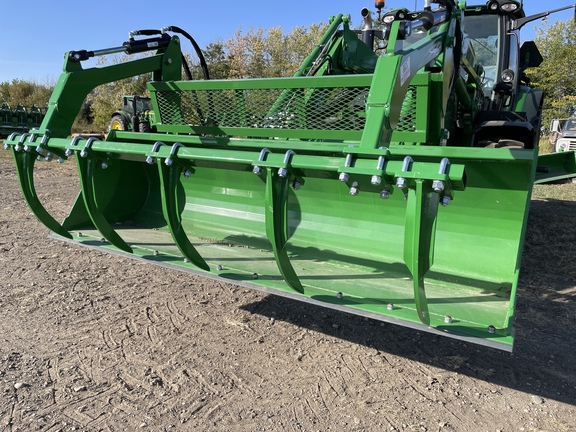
(144, 126)
(118, 122)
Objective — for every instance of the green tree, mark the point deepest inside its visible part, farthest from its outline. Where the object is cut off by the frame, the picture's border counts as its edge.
(557, 73)
(27, 93)
(270, 53)
(217, 61)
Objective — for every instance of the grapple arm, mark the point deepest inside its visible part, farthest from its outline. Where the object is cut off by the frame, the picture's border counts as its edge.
(75, 83)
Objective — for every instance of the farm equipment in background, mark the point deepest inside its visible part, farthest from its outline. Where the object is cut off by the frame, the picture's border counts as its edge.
(19, 119)
(563, 134)
(391, 177)
(136, 115)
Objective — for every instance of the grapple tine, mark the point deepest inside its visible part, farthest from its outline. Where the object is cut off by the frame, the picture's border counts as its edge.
(276, 216)
(169, 182)
(25, 170)
(86, 167)
(419, 233)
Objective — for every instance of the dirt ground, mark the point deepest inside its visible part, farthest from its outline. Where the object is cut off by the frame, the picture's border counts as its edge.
(96, 342)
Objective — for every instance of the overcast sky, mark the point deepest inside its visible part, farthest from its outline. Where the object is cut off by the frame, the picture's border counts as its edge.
(36, 34)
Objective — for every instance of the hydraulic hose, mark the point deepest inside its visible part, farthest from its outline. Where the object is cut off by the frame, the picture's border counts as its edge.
(199, 53)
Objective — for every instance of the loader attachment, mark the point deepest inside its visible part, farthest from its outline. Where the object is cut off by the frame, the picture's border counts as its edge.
(336, 186)
(556, 166)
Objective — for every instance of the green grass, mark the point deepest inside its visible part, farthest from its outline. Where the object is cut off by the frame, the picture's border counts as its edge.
(555, 191)
(545, 146)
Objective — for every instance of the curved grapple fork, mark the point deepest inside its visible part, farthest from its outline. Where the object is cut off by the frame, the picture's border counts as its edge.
(86, 168)
(420, 232)
(276, 216)
(169, 182)
(25, 170)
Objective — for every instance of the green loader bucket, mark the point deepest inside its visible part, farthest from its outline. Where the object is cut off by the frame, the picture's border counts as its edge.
(338, 190)
(310, 237)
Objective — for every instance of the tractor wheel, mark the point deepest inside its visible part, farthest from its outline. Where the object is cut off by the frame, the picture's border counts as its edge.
(118, 122)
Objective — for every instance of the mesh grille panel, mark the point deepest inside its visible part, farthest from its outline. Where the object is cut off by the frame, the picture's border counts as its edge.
(407, 121)
(322, 108)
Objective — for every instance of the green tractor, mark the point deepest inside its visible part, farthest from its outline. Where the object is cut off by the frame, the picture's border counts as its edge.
(390, 177)
(135, 115)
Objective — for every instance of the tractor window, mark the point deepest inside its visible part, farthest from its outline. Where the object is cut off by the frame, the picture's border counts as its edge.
(484, 35)
(143, 104)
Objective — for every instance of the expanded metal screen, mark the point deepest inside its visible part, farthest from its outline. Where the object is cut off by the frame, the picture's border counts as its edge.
(407, 121)
(330, 108)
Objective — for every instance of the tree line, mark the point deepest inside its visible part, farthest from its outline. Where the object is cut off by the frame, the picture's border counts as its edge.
(272, 52)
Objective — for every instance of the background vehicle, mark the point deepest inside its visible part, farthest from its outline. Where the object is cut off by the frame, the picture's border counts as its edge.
(136, 115)
(19, 119)
(392, 184)
(563, 134)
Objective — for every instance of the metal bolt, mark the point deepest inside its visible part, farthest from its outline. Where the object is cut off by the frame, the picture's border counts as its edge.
(17, 147)
(447, 319)
(186, 260)
(83, 153)
(68, 152)
(376, 180)
(155, 252)
(80, 234)
(26, 148)
(60, 160)
(104, 165)
(296, 185)
(445, 201)
(6, 146)
(257, 170)
(187, 173)
(254, 275)
(384, 194)
(401, 182)
(103, 240)
(390, 306)
(39, 158)
(491, 329)
(343, 177)
(218, 267)
(282, 172)
(149, 160)
(339, 295)
(355, 189)
(168, 162)
(438, 185)
(48, 157)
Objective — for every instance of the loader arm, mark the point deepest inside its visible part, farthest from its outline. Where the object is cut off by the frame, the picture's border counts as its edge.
(75, 83)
